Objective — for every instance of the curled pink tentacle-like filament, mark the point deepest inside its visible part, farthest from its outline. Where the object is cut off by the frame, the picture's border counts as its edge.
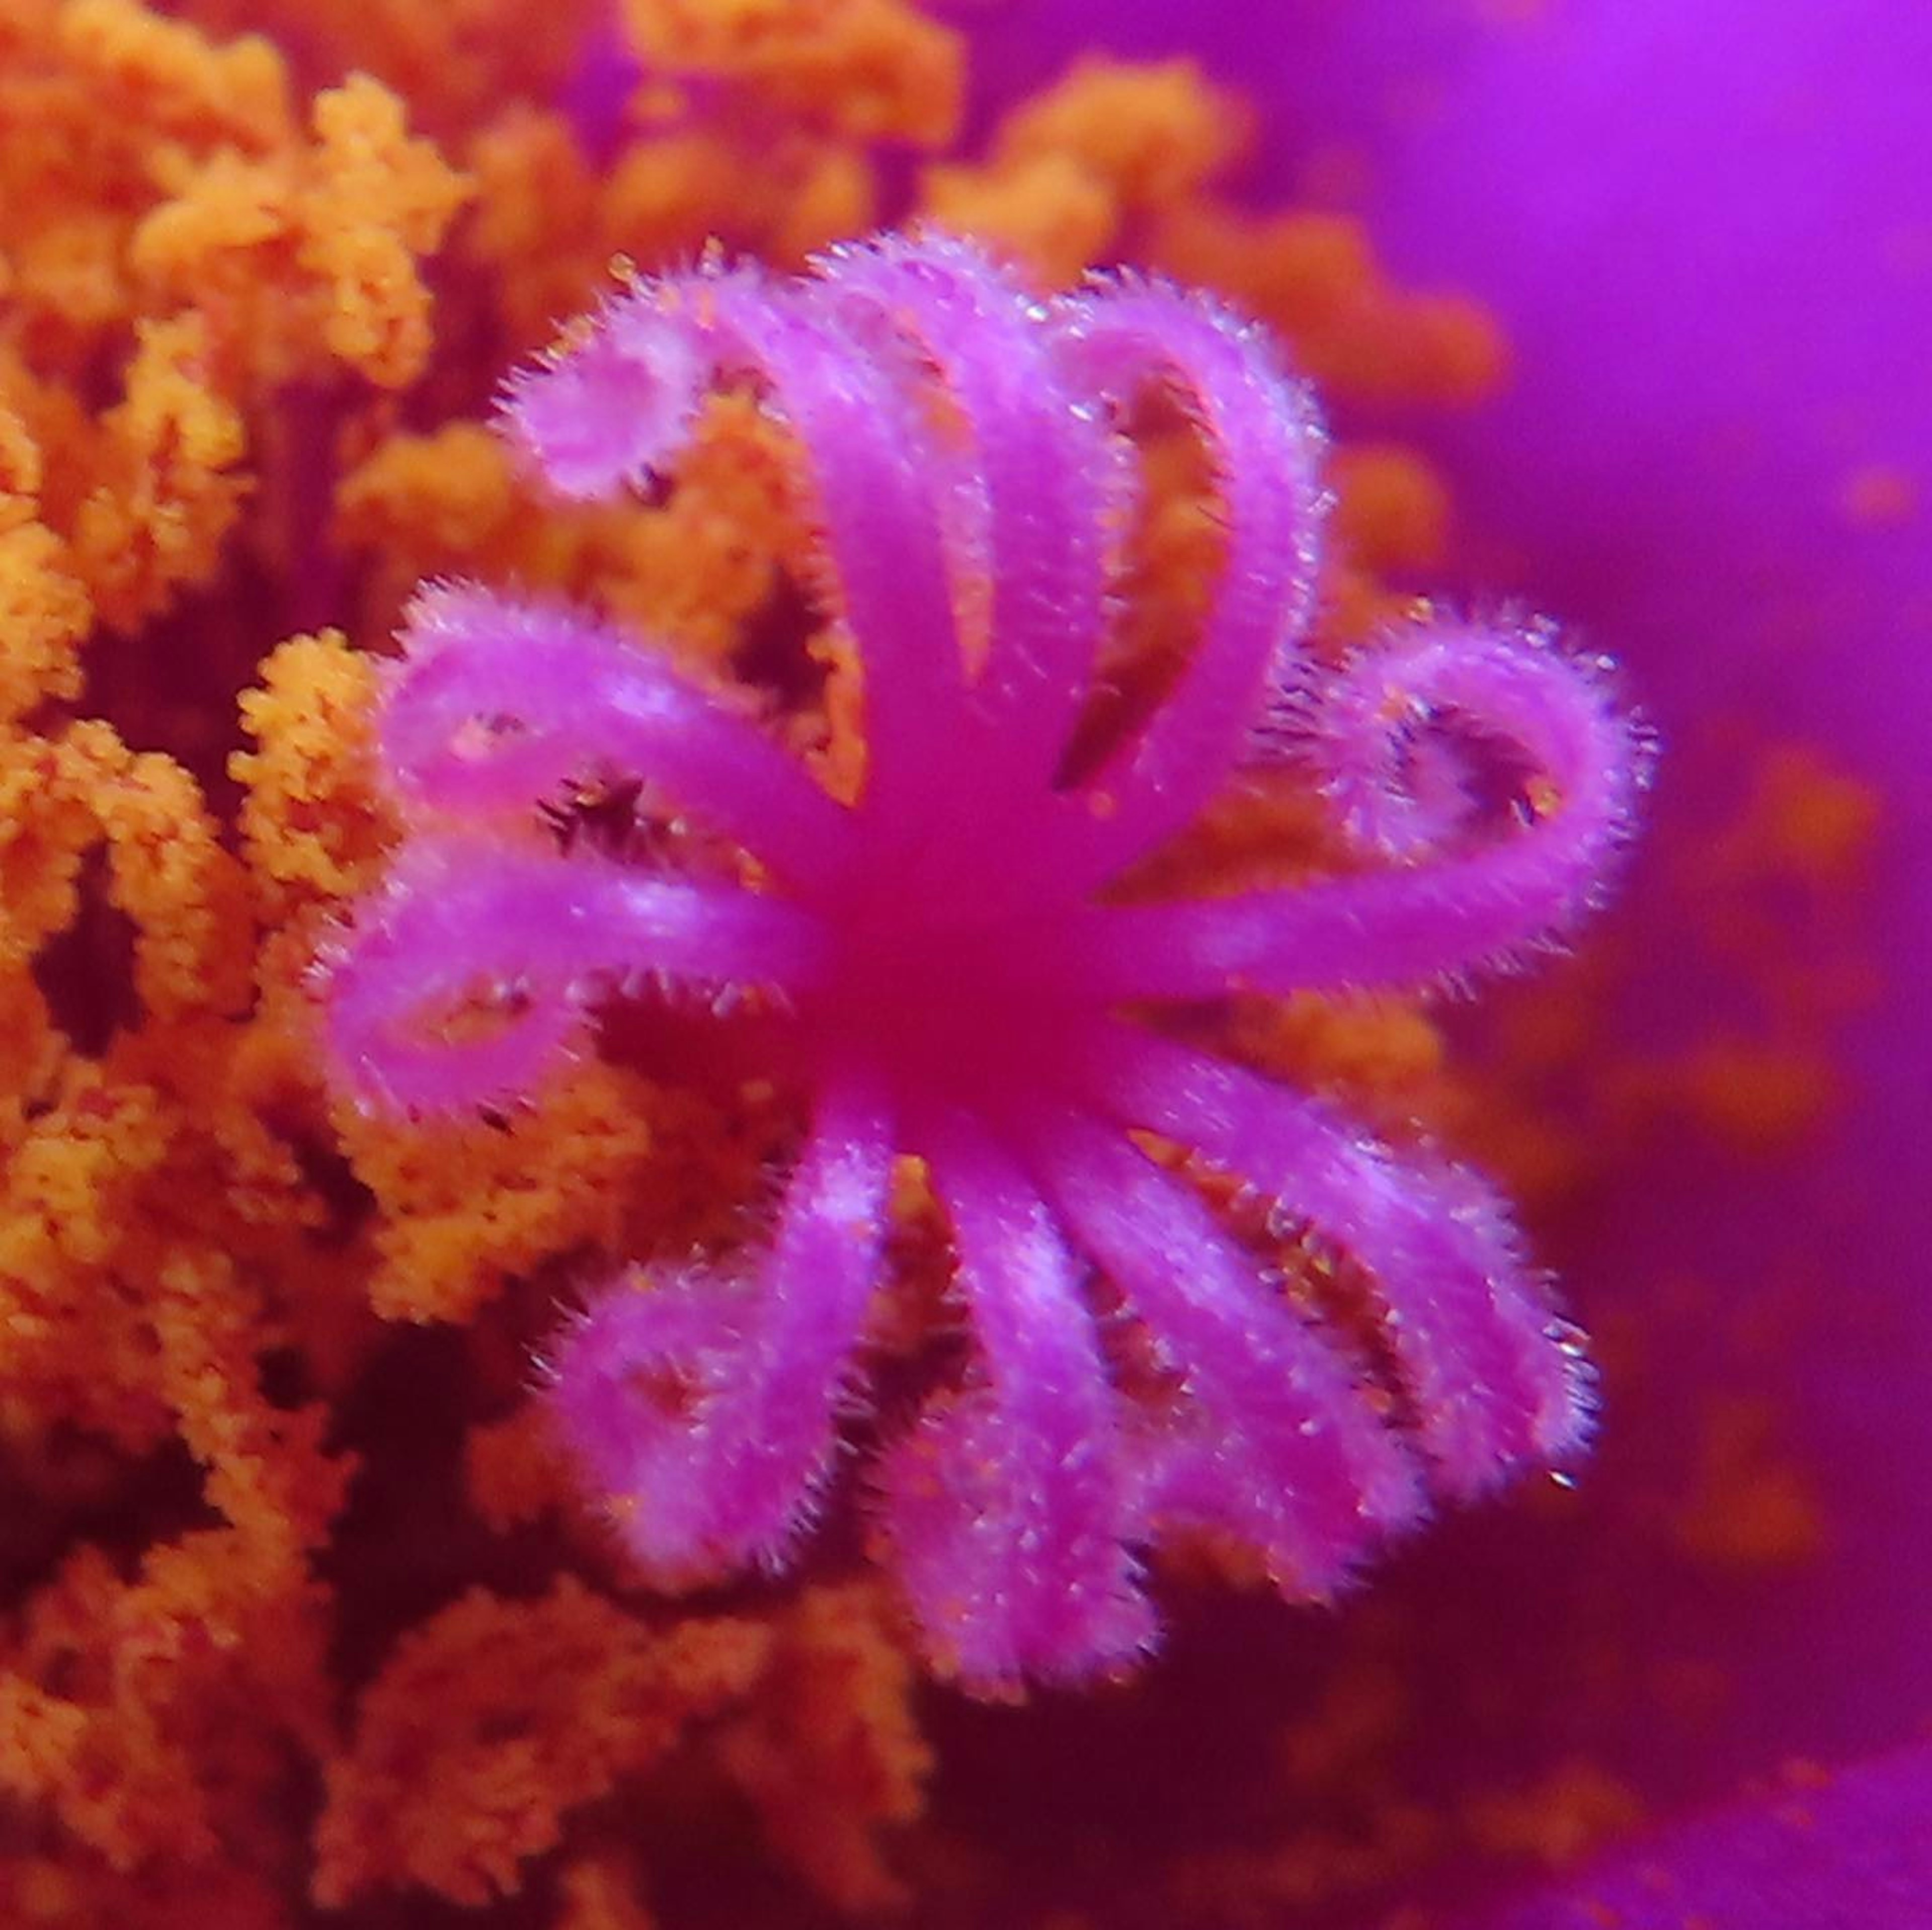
(944, 974)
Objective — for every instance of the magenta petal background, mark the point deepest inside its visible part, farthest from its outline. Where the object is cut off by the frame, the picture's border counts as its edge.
(1707, 227)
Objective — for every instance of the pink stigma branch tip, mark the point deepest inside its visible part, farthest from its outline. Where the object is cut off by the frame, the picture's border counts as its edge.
(947, 975)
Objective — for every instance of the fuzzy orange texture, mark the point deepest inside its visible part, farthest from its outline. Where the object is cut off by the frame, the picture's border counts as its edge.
(467, 1205)
(121, 1312)
(314, 828)
(127, 1191)
(61, 799)
(456, 62)
(540, 1706)
(548, 223)
(877, 70)
(44, 611)
(1107, 146)
(380, 201)
(779, 193)
(829, 1752)
(687, 574)
(155, 1717)
(1153, 131)
(600, 1893)
(163, 493)
(339, 224)
(314, 825)
(827, 1749)
(149, 169)
(78, 1339)
(91, 92)
(600, 1164)
(158, 188)
(515, 1473)
(1046, 214)
(1559, 1818)
(1391, 510)
(1313, 278)
(44, 1891)
(81, 1245)
(549, 1705)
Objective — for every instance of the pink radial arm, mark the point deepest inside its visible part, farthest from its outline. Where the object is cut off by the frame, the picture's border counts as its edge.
(1050, 480)
(705, 1409)
(1438, 911)
(1492, 1376)
(499, 701)
(1285, 1454)
(1006, 1508)
(870, 455)
(469, 971)
(1261, 432)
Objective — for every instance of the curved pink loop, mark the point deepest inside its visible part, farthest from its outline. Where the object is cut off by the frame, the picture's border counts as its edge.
(606, 409)
(469, 972)
(1006, 1508)
(1279, 1449)
(1379, 742)
(1031, 509)
(1492, 1374)
(1265, 440)
(1447, 905)
(872, 467)
(870, 456)
(499, 701)
(704, 1409)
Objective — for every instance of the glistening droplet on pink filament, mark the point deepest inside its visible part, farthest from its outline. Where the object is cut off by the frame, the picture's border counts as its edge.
(951, 968)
